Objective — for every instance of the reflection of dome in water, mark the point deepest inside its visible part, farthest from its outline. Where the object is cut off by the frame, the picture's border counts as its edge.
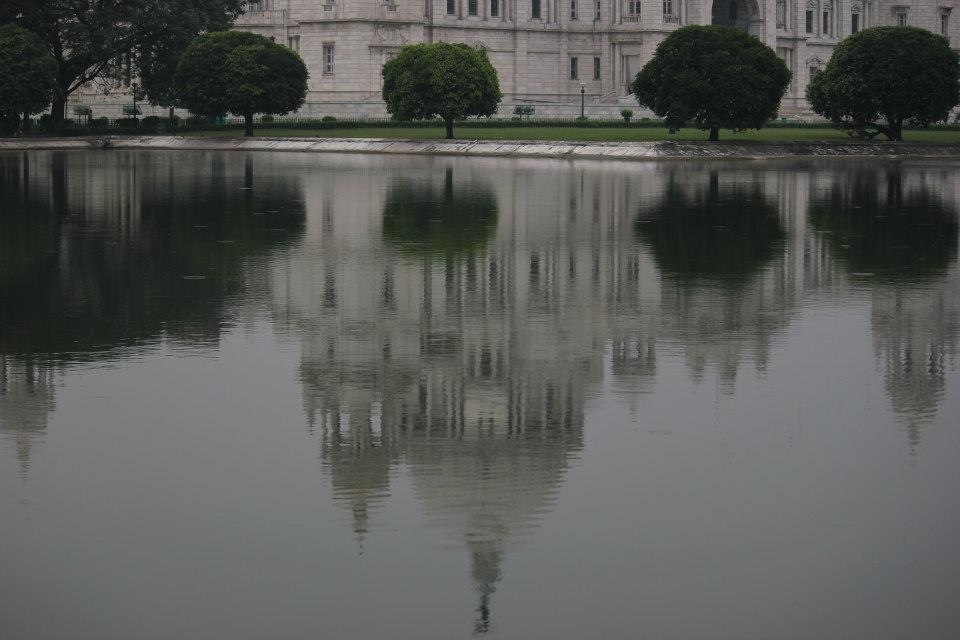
(26, 400)
(487, 456)
(915, 335)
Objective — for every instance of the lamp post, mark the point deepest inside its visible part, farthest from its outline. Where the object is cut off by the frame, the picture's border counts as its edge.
(583, 93)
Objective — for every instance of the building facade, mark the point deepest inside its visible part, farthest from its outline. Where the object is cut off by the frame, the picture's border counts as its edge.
(546, 51)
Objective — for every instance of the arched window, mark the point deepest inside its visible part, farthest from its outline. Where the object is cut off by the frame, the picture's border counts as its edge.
(810, 16)
(856, 11)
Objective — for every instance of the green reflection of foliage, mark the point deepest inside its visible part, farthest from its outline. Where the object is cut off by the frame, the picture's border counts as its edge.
(878, 226)
(420, 219)
(166, 257)
(718, 234)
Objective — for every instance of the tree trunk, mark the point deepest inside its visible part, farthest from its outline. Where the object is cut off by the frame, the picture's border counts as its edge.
(170, 114)
(895, 130)
(714, 134)
(449, 123)
(248, 124)
(59, 107)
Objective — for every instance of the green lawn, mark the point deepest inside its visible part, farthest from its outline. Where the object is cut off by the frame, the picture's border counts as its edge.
(779, 134)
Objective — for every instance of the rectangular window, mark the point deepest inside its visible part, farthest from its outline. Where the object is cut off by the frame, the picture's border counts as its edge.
(573, 68)
(596, 13)
(632, 11)
(472, 7)
(596, 68)
(294, 42)
(535, 9)
(495, 8)
(855, 23)
(573, 9)
(328, 59)
(809, 21)
(667, 8)
(945, 24)
(451, 7)
(901, 18)
(826, 23)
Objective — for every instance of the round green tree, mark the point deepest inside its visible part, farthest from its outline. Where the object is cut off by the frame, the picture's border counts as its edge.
(239, 73)
(28, 81)
(879, 78)
(715, 77)
(443, 80)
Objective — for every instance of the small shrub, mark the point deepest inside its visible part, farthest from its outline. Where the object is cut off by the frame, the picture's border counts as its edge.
(267, 119)
(151, 122)
(626, 114)
(197, 120)
(328, 119)
(127, 122)
(582, 119)
(100, 123)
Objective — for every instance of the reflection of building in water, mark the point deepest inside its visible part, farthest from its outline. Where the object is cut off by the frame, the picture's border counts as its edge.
(471, 356)
(735, 259)
(27, 390)
(898, 230)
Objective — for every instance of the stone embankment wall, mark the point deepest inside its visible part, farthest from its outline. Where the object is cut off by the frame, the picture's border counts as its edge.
(501, 148)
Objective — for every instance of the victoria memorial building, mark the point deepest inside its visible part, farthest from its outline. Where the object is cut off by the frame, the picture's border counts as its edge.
(546, 52)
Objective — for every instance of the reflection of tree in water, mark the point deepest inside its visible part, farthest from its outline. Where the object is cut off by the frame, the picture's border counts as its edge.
(723, 234)
(714, 241)
(420, 218)
(896, 233)
(118, 258)
(884, 228)
(103, 252)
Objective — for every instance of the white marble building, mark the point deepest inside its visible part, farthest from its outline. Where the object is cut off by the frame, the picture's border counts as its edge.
(546, 50)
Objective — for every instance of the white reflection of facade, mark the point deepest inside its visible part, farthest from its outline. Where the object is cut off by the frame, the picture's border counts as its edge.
(27, 398)
(475, 368)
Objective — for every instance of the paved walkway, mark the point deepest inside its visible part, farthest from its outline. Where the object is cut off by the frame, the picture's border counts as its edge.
(499, 148)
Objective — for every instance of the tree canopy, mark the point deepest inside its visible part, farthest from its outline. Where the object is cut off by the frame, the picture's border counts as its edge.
(88, 38)
(29, 79)
(445, 80)
(240, 73)
(879, 78)
(715, 77)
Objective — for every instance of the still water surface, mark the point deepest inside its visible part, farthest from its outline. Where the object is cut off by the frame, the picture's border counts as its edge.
(288, 396)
